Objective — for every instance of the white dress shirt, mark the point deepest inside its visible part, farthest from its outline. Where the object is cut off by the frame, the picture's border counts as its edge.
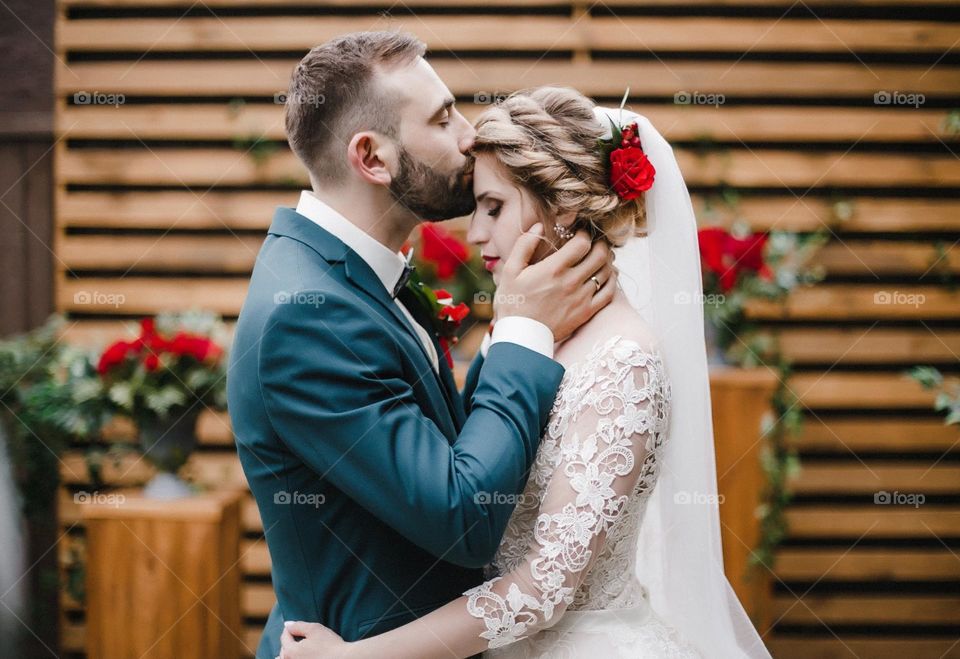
(388, 266)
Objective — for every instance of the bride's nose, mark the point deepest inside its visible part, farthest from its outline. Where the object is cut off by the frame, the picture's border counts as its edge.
(477, 233)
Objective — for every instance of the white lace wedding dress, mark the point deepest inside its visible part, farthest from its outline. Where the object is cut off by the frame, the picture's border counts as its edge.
(563, 582)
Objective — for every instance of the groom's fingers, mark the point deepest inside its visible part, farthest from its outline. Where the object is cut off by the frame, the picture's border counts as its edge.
(604, 296)
(597, 259)
(523, 251)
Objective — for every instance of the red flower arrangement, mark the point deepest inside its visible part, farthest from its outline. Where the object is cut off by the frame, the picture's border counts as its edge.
(150, 346)
(159, 372)
(727, 257)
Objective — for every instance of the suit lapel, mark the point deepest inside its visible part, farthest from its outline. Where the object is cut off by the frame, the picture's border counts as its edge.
(422, 316)
(290, 223)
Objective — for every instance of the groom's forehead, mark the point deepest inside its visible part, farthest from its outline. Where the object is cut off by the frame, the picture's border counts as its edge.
(417, 85)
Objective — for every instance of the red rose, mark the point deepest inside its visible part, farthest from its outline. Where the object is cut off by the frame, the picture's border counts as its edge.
(113, 355)
(442, 249)
(727, 256)
(151, 362)
(631, 172)
(712, 241)
(443, 294)
(148, 327)
(748, 252)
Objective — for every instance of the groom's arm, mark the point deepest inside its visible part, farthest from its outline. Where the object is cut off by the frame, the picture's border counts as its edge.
(526, 332)
(336, 394)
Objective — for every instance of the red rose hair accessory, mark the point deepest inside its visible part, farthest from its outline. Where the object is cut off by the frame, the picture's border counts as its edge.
(631, 172)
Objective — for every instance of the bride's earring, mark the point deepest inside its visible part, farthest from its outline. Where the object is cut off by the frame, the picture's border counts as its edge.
(564, 233)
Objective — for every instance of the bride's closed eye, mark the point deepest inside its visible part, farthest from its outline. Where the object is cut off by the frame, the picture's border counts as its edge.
(494, 210)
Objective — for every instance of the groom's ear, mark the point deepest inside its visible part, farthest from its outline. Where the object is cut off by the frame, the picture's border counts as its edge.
(371, 157)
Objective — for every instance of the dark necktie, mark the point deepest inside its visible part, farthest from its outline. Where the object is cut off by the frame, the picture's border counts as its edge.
(404, 278)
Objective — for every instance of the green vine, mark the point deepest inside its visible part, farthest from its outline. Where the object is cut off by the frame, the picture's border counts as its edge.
(947, 400)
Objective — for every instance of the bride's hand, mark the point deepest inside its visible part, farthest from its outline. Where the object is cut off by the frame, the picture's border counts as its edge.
(315, 641)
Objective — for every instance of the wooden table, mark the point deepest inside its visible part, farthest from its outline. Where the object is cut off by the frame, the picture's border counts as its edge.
(740, 397)
(163, 577)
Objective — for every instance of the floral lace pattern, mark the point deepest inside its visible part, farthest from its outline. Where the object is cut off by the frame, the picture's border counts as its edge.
(570, 542)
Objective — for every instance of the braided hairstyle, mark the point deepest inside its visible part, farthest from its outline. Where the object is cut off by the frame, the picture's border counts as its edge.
(546, 139)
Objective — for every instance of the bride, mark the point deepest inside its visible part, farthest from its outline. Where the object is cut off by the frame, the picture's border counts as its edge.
(611, 550)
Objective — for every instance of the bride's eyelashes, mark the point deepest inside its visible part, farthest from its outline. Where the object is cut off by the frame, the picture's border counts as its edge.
(494, 210)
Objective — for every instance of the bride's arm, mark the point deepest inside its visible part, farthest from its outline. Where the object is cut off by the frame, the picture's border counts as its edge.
(607, 446)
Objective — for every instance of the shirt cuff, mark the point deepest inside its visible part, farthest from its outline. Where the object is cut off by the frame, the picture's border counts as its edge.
(523, 331)
(485, 345)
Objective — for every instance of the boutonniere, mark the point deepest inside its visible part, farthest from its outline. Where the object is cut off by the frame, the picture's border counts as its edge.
(445, 315)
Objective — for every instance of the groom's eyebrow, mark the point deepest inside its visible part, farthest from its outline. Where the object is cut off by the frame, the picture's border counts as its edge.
(447, 103)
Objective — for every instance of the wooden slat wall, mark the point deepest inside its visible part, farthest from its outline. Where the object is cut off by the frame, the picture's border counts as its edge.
(156, 209)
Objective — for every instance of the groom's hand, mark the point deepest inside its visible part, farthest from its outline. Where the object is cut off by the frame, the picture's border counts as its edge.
(561, 291)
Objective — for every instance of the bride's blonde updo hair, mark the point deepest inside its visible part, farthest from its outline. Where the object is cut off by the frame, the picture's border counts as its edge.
(546, 138)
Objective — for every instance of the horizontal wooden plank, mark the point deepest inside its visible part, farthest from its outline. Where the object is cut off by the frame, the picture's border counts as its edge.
(229, 254)
(860, 214)
(866, 564)
(149, 295)
(73, 637)
(858, 433)
(860, 302)
(863, 257)
(872, 477)
(866, 610)
(754, 123)
(469, 76)
(873, 521)
(160, 210)
(504, 33)
(254, 210)
(837, 646)
(736, 167)
(879, 345)
(255, 557)
(257, 599)
(871, 390)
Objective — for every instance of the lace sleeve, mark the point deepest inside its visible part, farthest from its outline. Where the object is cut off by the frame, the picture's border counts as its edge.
(601, 448)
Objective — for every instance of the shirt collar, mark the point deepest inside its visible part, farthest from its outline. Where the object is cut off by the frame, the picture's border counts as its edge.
(385, 264)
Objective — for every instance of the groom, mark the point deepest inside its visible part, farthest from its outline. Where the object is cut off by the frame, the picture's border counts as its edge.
(382, 490)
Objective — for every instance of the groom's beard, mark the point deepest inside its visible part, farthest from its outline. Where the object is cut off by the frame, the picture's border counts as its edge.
(431, 195)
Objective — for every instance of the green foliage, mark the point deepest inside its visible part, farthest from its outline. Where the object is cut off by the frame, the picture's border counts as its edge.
(49, 399)
(948, 391)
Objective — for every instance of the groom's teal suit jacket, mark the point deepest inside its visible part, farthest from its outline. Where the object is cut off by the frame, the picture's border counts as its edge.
(380, 487)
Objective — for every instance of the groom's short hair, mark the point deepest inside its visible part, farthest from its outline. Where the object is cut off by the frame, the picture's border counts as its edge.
(332, 96)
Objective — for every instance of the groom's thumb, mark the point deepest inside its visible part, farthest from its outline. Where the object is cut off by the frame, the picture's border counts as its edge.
(523, 250)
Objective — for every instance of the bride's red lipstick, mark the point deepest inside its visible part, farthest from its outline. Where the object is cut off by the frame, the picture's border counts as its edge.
(489, 262)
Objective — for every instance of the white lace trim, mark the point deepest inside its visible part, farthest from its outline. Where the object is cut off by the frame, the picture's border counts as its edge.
(617, 394)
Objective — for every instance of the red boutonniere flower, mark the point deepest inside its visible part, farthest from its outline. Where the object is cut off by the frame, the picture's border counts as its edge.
(446, 315)
(449, 316)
